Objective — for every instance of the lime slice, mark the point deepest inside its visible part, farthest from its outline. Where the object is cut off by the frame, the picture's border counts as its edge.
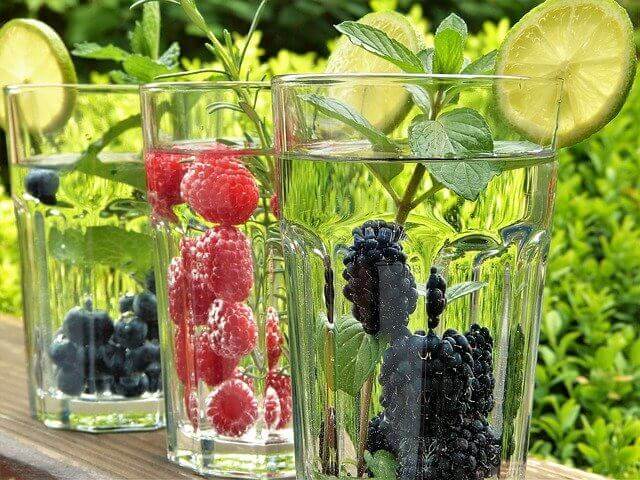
(32, 52)
(587, 43)
(384, 107)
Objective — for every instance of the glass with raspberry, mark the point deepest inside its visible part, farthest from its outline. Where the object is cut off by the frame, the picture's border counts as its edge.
(415, 254)
(220, 278)
(89, 300)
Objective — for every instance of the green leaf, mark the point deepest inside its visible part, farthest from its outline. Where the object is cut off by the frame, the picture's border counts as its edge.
(421, 98)
(460, 132)
(107, 245)
(426, 58)
(145, 38)
(379, 43)
(387, 171)
(382, 464)
(119, 77)
(131, 173)
(462, 289)
(144, 69)
(333, 108)
(485, 65)
(357, 355)
(449, 43)
(99, 52)
(171, 57)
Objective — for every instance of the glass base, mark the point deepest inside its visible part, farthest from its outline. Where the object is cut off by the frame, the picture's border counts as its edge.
(216, 457)
(94, 414)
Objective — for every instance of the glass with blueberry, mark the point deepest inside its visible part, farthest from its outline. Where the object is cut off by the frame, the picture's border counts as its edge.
(415, 248)
(219, 270)
(90, 309)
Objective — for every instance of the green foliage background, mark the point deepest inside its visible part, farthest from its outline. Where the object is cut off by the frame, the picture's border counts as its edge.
(587, 397)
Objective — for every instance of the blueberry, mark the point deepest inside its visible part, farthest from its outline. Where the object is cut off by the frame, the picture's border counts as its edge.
(130, 333)
(76, 325)
(145, 307)
(152, 332)
(126, 303)
(100, 327)
(98, 384)
(153, 374)
(113, 358)
(43, 185)
(70, 381)
(132, 385)
(150, 282)
(64, 353)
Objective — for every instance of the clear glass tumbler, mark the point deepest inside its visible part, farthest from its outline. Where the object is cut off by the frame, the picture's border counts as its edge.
(86, 250)
(219, 273)
(416, 227)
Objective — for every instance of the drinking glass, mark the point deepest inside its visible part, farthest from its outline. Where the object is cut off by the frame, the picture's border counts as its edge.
(86, 254)
(219, 273)
(414, 279)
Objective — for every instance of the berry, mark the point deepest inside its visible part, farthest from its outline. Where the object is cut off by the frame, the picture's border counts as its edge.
(222, 265)
(100, 327)
(178, 290)
(145, 307)
(75, 325)
(98, 384)
(234, 332)
(152, 372)
(125, 303)
(64, 353)
(132, 386)
(240, 375)
(275, 205)
(379, 282)
(137, 359)
(484, 382)
(164, 174)
(112, 357)
(220, 189)
(377, 434)
(272, 409)
(281, 383)
(436, 300)
(43, 185)
(70, 381)
(130, 333)
(232, 408)
(275, 339)
(191, 407)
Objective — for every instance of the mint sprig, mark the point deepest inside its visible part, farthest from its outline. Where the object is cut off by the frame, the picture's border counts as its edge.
(449, 43)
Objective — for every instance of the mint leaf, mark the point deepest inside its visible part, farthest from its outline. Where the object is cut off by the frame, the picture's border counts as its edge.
(131, 173)
(335, 109)
(171, 57)
(462, 289)
(421, 98)
(485, 65)
(99, 52)
(426, 57)
(382, 464)
(118, 76)
(379, 43)
(387, 171)
(144, 69)
(107, 245)
(356, 355)
(459, 132)
(145, 38)
(449, 43)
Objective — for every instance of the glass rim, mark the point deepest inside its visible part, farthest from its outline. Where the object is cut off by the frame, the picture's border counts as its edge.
(303, 79)
(82, 87)
(196, 86)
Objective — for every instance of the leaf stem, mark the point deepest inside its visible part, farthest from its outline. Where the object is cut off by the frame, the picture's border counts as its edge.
(365, 402)
(404, 208)
(385, 184)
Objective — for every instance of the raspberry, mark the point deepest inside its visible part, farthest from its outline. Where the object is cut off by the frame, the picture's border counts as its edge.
(164, 174)
(272, 409)
(232, 408)
(222, 265)
(195, 297)
(220, 188)
(274, 337)
(191, 407)
(209, 366)
(234, 332)
(275, 205)
(282, 385)
(240, 375)
(178, 290)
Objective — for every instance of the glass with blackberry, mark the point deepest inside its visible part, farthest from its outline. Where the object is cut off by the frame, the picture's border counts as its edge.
(89, 301)
(416, 227)
(210, 175)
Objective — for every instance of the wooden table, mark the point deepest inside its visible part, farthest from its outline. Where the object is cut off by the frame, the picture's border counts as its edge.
(28, 450)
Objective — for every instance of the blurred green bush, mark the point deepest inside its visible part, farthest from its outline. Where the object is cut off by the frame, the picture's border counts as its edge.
(587, 397)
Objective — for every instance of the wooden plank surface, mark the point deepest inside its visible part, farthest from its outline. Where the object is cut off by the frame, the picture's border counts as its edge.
(30, 451)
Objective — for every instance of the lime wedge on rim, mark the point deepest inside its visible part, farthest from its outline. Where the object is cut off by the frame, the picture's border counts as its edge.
(384, 107)
(32, 52)
(589, 44)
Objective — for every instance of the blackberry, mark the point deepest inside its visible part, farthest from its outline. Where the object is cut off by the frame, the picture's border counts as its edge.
(43, 185)
(483, 383)
(377, 434)
(379, 282)
(436, 301)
